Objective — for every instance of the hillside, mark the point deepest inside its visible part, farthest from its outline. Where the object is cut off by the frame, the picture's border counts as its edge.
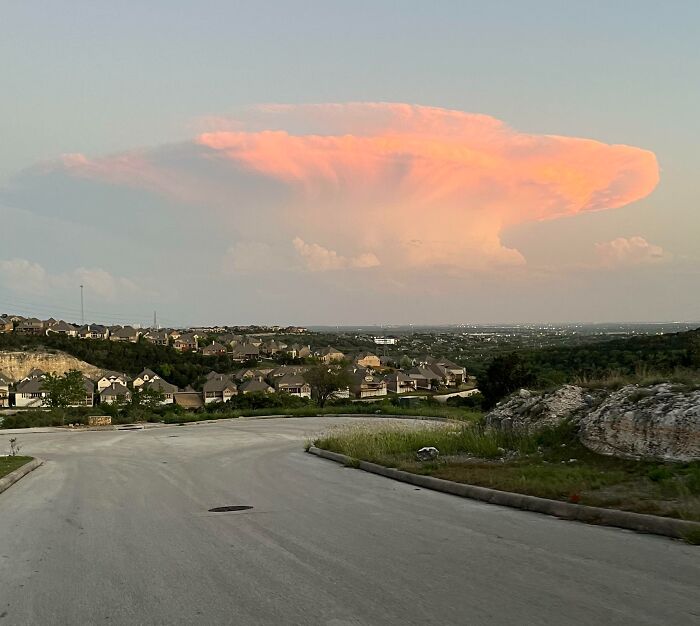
(16, 365)
(179, 368)
(658, 353)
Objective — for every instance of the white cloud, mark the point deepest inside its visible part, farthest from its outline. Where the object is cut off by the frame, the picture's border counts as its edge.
(319, 259)
(23, 276)
(626, 251)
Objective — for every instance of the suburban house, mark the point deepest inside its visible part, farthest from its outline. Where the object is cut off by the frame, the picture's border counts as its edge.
(214, 349)
(62, 328)
(161, 386)
(89, 399)
(110, 378)
(145, 377)
(93, 331)
(4, 393)
(124, 333)
(255, 386)
(283, 370)
(30, 392)
(116, 392)
(398, 382)
(367, 359)
(219, 388)
(157, 337)
(365, 384)
(30, 326)
(293, 384)
(425, 378)
(272, 347)
(451, 374)
(250, 373)
(297, 351)
(187, 342)
(245, 352)
(330, 355)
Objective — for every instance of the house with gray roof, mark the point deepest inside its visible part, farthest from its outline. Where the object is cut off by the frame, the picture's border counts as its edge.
(294, 385)
(166, 389)
(124, 333)
(399, 382)
(62, 328)
(144, 377)
(219, 388)
(93, 331)
(255, 386)
(30, 393)
(116, 392)
(214, 349)
(366, 384)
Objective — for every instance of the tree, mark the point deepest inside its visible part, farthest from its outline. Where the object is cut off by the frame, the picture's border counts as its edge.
(326, 380)
(147, 398)
(505, 375)
(64, 391)
(406, 362)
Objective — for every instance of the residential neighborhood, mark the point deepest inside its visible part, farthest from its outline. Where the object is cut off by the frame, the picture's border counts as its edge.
(267, 365)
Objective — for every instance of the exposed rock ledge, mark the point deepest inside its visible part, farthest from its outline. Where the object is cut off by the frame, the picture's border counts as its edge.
(16, 365)
(660, 421)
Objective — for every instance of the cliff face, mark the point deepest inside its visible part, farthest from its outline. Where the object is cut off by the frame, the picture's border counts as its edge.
(646, 422)
(16, 365)
(656, 422)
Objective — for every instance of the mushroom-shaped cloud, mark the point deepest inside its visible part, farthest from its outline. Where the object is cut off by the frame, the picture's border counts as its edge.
(427, 186)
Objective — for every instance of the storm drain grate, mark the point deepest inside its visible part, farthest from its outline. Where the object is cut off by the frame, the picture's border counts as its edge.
(226, 509)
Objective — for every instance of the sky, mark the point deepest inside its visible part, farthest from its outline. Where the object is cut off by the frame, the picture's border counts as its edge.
(339, 163)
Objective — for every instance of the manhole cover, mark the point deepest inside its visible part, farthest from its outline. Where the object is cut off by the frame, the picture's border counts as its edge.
(226, 509)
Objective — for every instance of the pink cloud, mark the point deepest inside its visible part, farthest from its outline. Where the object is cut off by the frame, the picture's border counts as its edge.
(415, 186)
(432, 185)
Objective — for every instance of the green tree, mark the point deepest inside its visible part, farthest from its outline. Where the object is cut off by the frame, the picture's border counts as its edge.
(64, 391)
(325, 380)
(504, 375)
(147, 398)
(406, 362)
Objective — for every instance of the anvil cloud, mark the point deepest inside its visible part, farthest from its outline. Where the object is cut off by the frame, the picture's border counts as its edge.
(417, 185)
(378, 185)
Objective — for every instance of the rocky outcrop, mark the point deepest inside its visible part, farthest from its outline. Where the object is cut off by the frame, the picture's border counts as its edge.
(660, 422)
(527, 411)
(657, 422)
(16, 365)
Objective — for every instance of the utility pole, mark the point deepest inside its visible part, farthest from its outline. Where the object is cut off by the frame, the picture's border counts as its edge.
(82, 309)
(155, 321)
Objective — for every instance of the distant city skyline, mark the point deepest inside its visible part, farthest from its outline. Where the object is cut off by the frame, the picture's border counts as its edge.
(349, 163)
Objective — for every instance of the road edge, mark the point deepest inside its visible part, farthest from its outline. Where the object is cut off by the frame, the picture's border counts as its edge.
(7, 481)
(654, 524)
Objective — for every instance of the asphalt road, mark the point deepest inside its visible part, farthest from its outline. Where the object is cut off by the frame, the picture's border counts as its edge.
(115, 529)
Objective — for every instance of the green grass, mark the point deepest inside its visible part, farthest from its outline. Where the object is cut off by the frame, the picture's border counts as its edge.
(11, 463)
(552, 464)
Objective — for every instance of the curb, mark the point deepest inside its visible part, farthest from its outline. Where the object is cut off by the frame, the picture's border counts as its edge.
(640, 522)
(7, 481)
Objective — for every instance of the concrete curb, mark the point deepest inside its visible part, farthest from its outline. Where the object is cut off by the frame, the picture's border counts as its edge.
(666, 526)
(7, 481)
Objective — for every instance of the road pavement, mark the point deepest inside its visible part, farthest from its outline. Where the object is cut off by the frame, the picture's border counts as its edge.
(115, 528)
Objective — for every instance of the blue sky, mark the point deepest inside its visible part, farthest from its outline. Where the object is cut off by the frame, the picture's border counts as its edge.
(102, 79)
